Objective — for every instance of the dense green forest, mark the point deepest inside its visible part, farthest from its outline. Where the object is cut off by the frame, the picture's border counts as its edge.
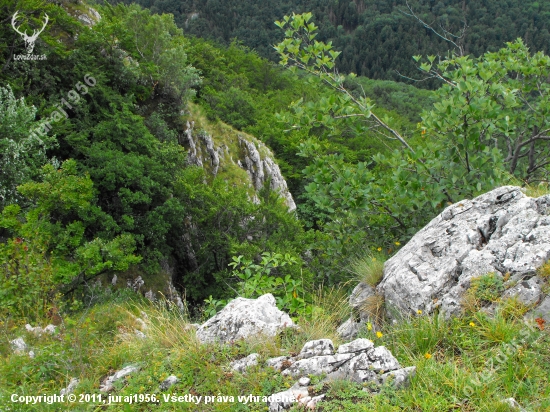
(376, 37)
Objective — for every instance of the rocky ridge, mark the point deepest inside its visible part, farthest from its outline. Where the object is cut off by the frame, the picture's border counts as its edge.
(252, 156)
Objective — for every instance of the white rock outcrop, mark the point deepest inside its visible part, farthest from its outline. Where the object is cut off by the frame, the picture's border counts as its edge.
(241, 365)
(501, 232)
(359, 361)
(243, 318)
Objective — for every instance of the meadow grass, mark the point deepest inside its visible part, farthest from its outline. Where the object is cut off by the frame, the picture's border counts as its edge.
(459, 361)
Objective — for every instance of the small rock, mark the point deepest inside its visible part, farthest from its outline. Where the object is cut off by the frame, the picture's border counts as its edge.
(349, 329)
(107, 385)
(305, 381)
(318, 347)
(18, 345)
(70, 388)
(312, 404)
(240, 365)
(514, 404)
(31, 354)
(280, 362)
(140, 334)
(316, 365)
(38, 331)
(400, 377)
(358, 345)
(169, 382)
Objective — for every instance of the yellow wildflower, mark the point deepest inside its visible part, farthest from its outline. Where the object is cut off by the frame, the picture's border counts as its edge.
(419, 312)
(379, 334)
(472, 324)
(427, 356)
(397, 243)
(369, 326)
(379, 249)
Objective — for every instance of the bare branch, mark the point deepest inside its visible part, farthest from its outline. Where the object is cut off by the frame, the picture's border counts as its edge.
(445, 34)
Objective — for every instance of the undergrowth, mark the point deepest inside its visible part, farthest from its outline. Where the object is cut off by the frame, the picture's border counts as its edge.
(459, 362)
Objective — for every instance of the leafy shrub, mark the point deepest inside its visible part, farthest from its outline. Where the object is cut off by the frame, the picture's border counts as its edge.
(257, 279)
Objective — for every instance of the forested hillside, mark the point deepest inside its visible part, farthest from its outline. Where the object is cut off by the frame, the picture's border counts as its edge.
(376, 38)
(143, 189)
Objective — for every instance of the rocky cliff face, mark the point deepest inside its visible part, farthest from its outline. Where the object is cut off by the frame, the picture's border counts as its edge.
(240, 151)
(503, 232)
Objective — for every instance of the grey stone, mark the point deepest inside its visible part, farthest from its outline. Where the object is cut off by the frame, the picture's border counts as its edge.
(169, 382)
(107, 384)
(140, 334)
(18, 346)
(513, 404)
(318, 347)
(279, 362)
(241, 365)
(350, 329)
(502, 231)
(38, 331)
(316, 365)
(360, 295)
(242, 318)
(541, 311)
(358, 361)
(70, 387)
(399, 378)
(255, 158)
(527, 292)
(356, 346)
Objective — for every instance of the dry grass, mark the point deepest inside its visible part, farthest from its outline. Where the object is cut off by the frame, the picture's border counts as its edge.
(374, 308)
(330, 309)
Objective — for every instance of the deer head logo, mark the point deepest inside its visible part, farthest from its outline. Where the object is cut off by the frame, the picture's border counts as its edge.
(29, 40)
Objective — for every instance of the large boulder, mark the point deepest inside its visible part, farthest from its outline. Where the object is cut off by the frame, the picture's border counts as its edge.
(242, 318)
(501, 232)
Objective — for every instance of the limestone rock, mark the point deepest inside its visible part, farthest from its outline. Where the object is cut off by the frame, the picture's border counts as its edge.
(316, 365)
(513, 404)
(279, 363)
(18, 346)
(541, 311)
(37, 330)
(284, 400)
(358, 345)
(70, 387)
(169, 382)
(241, 365)
(242, 318)
(502, 231)
(107, 384)
(317, 348)
(357, 361)
(400, 378)
(254, 157)
(349, 329)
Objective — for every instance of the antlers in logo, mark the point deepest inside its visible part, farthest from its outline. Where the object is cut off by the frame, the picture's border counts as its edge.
(29, 40)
